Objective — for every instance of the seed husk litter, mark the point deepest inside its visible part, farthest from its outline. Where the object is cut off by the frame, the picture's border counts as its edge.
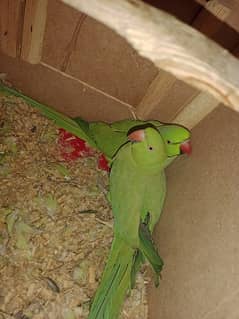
(56, 225)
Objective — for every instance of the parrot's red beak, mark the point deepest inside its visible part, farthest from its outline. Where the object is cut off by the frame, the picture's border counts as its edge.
(136, 136)
(186, 147)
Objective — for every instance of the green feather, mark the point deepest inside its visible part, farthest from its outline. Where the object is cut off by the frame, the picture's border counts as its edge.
(114, 283)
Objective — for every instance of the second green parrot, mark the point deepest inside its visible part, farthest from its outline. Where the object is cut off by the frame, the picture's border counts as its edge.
(137, 192)
(108, 138)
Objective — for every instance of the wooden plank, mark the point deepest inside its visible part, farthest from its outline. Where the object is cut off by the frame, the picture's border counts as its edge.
(156, 92)
(178, 96)
(196, 110)
(217, 8)
(226, 10)
(60, 27)
(108, 62)
(11, 22)
(171, 45)
(158, 99)
(93, 53)
(63, 92)
(199, 107)
(33, 30)
(72, 44)
(212, 21)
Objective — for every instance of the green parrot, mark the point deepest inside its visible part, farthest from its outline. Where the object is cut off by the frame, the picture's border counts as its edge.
(108, 138)
(137, 192)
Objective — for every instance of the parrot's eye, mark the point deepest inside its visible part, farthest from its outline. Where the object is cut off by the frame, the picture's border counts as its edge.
(150, 148)
(168, 141)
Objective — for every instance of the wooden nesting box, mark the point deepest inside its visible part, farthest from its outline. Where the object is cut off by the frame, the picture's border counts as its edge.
(111, 60)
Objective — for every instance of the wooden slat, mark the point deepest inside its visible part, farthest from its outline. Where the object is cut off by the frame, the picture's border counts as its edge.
(72, 43)
(210, 21)
(157, 100)
(196, 110)
(11, 22)
(156, 92)
(93, 53)
(213, 20)
(226, 10)
(33, 30)
(200, 106)
(63, 92)
(60, 26)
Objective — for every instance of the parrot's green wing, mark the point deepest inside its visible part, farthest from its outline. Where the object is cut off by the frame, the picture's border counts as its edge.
(149, 251)
(154, 200)
(110, 137)
(106, 139)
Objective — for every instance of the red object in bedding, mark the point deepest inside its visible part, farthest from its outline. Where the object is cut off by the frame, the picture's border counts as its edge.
(103, 163)
(73, 147)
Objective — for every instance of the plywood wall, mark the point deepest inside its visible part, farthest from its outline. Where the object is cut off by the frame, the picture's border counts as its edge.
(198, 231)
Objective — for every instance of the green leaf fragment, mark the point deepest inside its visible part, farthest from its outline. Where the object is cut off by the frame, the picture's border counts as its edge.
(2, 156)
(80, 273)
(49, 136)
(93, 190)
(10, 220)
(22, 227)
(5, 211)
(23, 233)
(15, 225)
(47, 202)
(51, 205)
(22, 242)
(63, 170)
(11, 144)
(4, 171)
(69, 314)
(5, 128)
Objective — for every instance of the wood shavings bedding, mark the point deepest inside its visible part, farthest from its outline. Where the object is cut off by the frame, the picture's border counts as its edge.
(55, 223)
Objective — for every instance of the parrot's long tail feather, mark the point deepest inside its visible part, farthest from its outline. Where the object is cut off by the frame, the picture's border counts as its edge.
(60, 119)
(115, 283)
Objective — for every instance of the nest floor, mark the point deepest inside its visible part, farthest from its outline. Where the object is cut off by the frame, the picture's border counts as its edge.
(55, 223)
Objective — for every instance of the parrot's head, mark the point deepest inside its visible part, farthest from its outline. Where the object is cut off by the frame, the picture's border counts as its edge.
(176, 139)
(147, 147)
